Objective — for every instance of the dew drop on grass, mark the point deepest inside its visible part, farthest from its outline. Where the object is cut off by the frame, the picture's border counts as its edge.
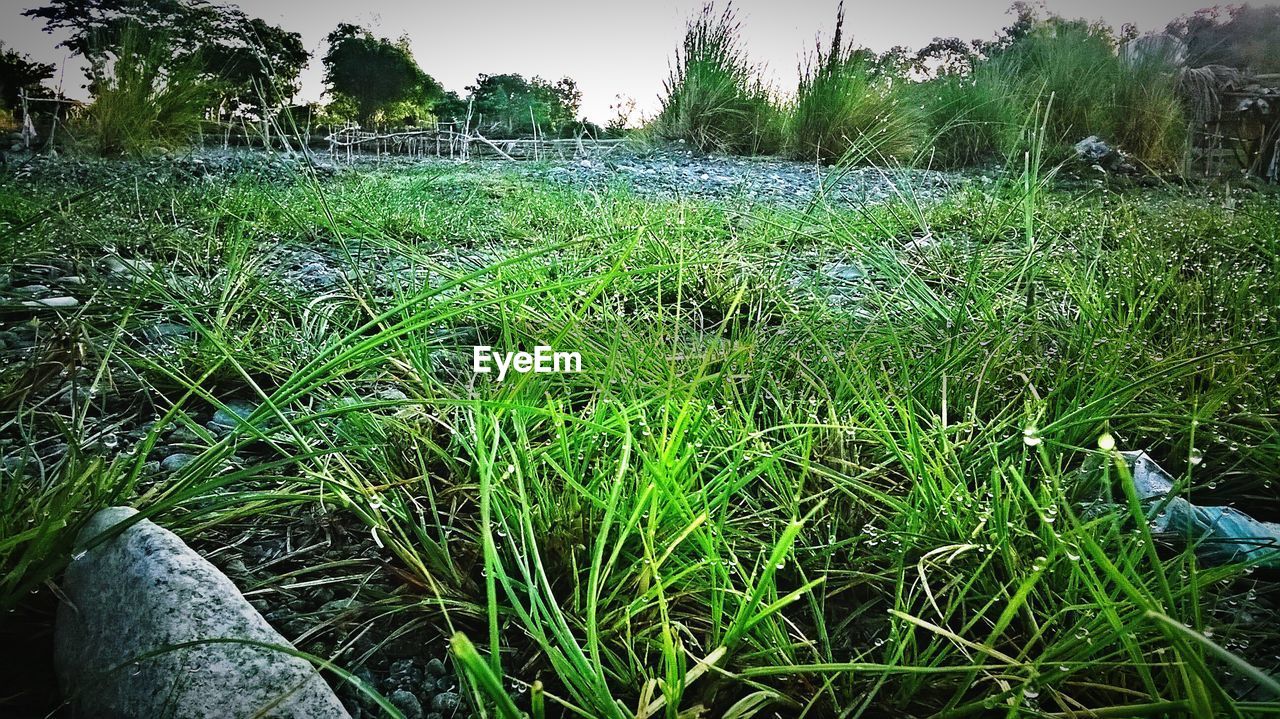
(1031, 435)
(1106, 442)
(1195, 457)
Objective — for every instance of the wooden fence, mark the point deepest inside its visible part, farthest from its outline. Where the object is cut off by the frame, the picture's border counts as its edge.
(442, 141)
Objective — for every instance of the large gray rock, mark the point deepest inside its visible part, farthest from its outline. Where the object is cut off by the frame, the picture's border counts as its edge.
(144, 591)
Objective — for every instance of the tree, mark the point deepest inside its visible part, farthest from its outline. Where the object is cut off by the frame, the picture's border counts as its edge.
(512, 105)
(20, 73)
(377, 76)
(254, 65)
(262, 72)
(1239, 36)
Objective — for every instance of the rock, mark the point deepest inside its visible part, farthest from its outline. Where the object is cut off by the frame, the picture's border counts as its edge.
(136, 595)
(176, 461)
(237, 409)
(407, 703)
(33, 290)
(446, 703)
(844, 272)
(54, 302)
(435, 667)
(1092, 149)
(168, 330)
(120, 266)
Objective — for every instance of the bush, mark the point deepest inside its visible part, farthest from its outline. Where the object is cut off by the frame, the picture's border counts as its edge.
(714, 98)
(844, 108)
(139, 107)
(1072, 70)
(970, 120)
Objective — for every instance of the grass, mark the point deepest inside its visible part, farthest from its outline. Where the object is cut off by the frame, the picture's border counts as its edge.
(1072, 72)
(844, 111)
(754, 500)
(714, 98)
(139, 107)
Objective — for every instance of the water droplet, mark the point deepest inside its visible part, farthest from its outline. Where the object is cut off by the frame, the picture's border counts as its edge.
(1031, 435)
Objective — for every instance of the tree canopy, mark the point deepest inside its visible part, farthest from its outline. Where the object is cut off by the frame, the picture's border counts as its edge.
(1239, 36)
(253, 64)
(19, 72)
(375, 76)
(510, 104)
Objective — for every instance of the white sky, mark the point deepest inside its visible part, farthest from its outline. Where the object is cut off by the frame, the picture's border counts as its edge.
(610, 47)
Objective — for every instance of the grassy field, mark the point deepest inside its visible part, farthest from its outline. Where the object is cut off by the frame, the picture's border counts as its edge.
(820, 462)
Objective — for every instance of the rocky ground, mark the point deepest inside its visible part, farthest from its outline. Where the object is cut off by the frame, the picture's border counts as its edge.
(673, 173)
(333, 609)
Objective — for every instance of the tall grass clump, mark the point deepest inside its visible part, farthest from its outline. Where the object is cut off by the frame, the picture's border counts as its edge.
(970, 119)
(844, 107)
(714, 98)
(140, 105)
(1072, 71)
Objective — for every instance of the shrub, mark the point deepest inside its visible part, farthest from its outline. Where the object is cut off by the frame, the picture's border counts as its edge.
(138, 105)
(844, 108)
(714, 98)
(970, 120)
(1150, 121)
(1072, 70)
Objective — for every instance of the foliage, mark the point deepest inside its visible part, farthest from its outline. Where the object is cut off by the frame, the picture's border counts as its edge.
(1239, 36)
(849, 104)
(510, 105)
(714, 98)
(142, 101)
(253, 65)
(970, 117)
(754, 499)
(379, 77)
(1069, 72)
(261, 73)
(19, 72)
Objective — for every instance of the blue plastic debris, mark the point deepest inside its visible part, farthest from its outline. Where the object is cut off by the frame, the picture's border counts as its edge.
(1220, 535)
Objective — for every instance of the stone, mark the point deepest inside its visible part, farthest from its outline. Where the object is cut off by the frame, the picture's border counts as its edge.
(446, 703)
(120, 266)
(54, 302)
(237, 409)
(407, 703)
(129, 599)
(176, 461)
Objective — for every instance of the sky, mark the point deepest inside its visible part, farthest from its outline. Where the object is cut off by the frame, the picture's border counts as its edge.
(611, 48)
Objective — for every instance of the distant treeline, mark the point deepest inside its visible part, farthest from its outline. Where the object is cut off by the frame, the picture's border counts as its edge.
(160, 71)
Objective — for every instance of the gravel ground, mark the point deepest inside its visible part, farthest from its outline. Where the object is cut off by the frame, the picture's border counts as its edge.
(38, 299)
(669, 174)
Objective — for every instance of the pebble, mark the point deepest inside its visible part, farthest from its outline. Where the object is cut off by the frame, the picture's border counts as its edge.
(407, 703)
(54, 302)
(176, 461)
(237, 409)
(446, 703)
